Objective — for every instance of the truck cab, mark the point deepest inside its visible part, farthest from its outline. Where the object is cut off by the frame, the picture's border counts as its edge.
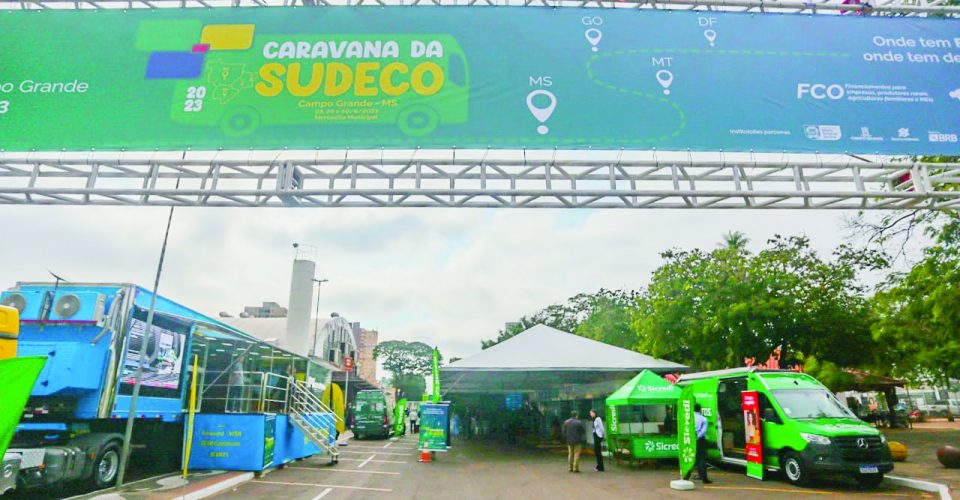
(805, 429)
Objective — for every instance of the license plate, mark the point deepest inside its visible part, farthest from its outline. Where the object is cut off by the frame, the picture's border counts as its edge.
(869, 469)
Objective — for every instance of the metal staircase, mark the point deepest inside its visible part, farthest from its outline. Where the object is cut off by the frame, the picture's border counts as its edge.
(314, 418)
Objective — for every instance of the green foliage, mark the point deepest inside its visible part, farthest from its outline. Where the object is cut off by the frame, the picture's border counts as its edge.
(609, 321)
(408, 362)
(710, 310)
(411, 387)
(918, 312)
(835, 378)
(597, 309)
(404, 358)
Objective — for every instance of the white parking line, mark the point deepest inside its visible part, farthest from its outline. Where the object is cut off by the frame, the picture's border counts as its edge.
(377, 461)
(365, 462)
(363, 447)
(378, 453)
(388, 444)
(325, 469)
(323, 494)
(286, 483)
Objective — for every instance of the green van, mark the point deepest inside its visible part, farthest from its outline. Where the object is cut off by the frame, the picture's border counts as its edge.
(371, 416)
(805, 430)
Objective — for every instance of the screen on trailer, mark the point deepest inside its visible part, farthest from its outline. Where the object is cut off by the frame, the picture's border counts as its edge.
(162, 355)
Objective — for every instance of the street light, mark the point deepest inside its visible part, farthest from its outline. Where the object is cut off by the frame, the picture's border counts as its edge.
(316, 314)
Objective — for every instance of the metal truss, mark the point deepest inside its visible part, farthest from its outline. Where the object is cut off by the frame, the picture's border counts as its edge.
(875, 7)
(477, 178)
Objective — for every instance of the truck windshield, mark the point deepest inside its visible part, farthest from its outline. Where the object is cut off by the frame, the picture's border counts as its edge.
(810, 404)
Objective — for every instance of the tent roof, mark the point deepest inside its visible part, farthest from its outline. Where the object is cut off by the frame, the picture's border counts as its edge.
(542, 348)
(645, 387)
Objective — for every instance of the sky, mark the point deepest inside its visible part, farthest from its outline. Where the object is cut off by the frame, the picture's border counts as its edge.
(447, 277)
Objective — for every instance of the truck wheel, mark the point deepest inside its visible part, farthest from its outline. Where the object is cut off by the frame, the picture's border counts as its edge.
(794, 469)
(869, 480)
(105, 466)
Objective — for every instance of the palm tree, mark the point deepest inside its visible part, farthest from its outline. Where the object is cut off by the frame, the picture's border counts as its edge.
(735, 240)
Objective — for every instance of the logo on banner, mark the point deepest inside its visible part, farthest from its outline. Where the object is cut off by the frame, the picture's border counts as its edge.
(865, 135)
(934, 136)
(903, 135)
(822, 132)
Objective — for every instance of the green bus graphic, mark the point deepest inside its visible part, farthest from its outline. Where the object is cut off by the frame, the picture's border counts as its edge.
(241, 91)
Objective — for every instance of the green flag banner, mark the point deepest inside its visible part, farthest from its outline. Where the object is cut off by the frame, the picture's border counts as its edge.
(436, 375)
(687, 432)
(17, 376)
(398, 417)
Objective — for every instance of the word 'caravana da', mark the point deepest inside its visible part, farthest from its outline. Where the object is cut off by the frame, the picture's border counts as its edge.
(354, 49)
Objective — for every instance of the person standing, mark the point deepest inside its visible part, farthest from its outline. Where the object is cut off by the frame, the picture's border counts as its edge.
(414, 421)
(573, 433)
(598, 434)
(700, 425)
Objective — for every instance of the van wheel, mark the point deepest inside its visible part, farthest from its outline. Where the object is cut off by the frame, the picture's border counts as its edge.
(869, 480)
(105, 466)
(794, 469)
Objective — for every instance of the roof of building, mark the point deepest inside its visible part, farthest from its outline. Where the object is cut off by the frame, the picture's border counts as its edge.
(542, 348)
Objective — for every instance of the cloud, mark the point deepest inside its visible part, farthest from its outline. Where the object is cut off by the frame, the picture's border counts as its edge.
(448, 277)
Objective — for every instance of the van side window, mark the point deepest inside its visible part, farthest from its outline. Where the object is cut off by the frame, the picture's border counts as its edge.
(768, 415)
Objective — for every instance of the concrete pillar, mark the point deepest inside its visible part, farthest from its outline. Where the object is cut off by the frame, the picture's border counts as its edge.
(299, 333)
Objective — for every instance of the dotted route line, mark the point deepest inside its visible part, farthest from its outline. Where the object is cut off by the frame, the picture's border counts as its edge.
(731, 52)
(676, 107)
(646, 95)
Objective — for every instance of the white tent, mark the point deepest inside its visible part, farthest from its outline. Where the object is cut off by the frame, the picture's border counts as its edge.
(542, 357)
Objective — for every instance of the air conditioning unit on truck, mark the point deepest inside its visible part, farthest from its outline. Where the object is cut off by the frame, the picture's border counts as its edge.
(91, 335)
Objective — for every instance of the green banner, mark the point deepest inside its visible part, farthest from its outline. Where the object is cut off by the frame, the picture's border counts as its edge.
(17, 376)
(399, 417)
(397, 77)
(435, 372)
(433, 427)
(687, 432)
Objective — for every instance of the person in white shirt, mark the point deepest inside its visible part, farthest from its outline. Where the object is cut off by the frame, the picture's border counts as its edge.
(598, 434)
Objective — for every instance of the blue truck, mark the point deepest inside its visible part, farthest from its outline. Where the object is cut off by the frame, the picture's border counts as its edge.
(92, 335)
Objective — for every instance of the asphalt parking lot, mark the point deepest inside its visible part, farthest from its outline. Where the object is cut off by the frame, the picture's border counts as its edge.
(389, 470)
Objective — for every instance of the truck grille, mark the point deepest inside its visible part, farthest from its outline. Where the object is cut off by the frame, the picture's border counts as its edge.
(851, 449)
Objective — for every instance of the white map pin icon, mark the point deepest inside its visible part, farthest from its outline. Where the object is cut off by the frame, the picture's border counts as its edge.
(665, 78)
(541, 114)
(593, 36)
(711, 36)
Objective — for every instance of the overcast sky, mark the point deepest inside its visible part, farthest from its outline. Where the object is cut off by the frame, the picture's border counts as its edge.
(448, 277)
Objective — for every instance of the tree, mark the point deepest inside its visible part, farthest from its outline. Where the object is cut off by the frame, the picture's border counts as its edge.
(918, 312)
(404, 360)
(566, 316)
(713, 309)
(609, 321)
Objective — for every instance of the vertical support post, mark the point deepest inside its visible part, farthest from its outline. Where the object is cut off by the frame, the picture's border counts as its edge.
(192, 412)
(138, 378)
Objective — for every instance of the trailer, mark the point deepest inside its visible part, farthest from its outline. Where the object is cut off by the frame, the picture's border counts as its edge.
(95, 339)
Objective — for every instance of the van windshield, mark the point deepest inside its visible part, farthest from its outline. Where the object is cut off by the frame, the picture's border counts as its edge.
(810, 404)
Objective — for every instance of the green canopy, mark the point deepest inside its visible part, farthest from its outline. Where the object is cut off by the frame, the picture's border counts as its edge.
(646, 388)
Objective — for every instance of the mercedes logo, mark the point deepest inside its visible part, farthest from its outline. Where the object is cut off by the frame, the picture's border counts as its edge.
(862, 443)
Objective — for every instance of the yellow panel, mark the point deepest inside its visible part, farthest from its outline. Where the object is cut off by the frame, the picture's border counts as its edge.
(228, 36)
(9, 329)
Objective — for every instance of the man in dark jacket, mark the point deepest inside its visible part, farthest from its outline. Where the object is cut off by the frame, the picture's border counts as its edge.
(573, 435)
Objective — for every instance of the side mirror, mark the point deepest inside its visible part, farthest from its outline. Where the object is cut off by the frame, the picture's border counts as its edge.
(769, 415)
